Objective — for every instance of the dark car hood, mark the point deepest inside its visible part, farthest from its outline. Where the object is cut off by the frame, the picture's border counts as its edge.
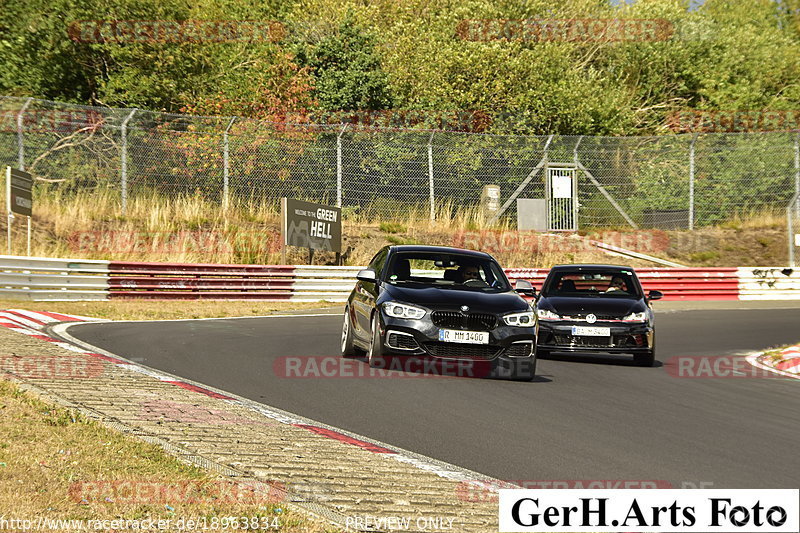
(613, 306)
(433, 297)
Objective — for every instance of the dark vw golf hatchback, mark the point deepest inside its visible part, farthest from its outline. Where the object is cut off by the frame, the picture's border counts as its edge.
(596, 309)
(453, 306)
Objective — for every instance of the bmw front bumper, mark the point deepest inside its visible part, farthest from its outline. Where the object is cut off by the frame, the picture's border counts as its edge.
(508, 346)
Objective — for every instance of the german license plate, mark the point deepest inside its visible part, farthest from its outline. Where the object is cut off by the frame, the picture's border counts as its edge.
(586, 331)
(464, 337)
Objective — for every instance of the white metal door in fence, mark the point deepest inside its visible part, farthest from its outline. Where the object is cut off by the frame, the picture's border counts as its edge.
(562, 198)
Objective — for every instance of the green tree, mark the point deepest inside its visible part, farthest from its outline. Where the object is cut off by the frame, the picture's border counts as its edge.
(347, 70)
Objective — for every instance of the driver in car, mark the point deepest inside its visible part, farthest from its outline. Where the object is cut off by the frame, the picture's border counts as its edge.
(468, 272)
(617, 284)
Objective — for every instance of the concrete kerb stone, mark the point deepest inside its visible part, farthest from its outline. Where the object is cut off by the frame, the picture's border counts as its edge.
(329, 473)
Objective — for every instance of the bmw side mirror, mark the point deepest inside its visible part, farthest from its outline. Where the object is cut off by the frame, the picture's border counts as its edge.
(655, 295)
(367, 275)
(524, 286)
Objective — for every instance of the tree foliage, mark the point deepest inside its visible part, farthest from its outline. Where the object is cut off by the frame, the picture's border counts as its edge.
(413, 55)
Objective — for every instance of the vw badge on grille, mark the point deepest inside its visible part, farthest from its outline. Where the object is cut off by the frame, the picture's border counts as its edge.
(464, 308)
(591, 319)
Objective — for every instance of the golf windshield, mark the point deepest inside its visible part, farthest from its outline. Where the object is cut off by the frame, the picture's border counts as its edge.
(447, 271)
(592, 284)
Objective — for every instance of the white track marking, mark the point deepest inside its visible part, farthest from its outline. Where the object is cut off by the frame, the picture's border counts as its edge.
(439, 468)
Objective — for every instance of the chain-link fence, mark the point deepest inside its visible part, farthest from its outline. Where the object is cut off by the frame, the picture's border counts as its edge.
(793, 229)
(676, 181)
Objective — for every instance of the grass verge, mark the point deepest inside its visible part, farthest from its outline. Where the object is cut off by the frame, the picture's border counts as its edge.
(56, 465)
(164, 310)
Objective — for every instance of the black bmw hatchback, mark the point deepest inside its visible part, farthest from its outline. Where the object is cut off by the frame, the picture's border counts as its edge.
(596, 309)
(445, 304)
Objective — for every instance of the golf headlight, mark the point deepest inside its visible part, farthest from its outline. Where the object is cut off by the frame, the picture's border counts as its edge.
(636, 317)
(396, 310)
(522, 320)
(546, 314)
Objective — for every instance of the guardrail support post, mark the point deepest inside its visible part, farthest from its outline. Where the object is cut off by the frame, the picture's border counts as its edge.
(339, 167)
(691, 182)
(20, 144)
(430, 177)
(225, 164)
(124, 162)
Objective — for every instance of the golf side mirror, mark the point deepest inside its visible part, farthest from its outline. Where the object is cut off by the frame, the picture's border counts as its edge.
(524, 286)
(367, 275)
(655, 295)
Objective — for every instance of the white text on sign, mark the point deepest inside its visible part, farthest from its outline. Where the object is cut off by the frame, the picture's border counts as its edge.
(321, 229)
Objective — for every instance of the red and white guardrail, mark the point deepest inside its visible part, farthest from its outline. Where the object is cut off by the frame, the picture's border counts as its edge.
(40, 278)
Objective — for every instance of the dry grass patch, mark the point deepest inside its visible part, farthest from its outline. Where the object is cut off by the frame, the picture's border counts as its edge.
(49, 455)
(195, 229)
(164, 310)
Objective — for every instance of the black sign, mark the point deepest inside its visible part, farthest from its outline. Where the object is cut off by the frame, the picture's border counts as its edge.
(314, 226)
(18, 192)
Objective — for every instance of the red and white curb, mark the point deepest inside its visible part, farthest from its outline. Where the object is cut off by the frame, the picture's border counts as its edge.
(787, 365)
(34, 324)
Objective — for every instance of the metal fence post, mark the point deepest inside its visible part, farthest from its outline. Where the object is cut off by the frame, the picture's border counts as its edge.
(20, 144)
(575, 200)
(339, 167)
(691, 182)
(430, 176)
(225, 165)
(797, 170)
(790, 227)
(542, 163)
(124, 157)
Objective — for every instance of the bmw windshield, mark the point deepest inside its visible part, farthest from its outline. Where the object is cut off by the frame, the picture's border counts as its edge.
(446, 271)
(593, 284)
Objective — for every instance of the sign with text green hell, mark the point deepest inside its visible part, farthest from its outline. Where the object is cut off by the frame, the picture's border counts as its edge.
(18, 192)
(309, 225)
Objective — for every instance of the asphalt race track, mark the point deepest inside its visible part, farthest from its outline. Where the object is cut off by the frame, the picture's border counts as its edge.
(589, 418)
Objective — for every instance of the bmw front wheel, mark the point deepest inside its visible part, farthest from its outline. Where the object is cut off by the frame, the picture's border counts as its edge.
(375, 352)
(347, 347)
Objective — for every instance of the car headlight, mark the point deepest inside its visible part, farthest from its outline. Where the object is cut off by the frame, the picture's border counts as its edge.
(636, 317)
(396, 310)
(522, 320)
(546, 314)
